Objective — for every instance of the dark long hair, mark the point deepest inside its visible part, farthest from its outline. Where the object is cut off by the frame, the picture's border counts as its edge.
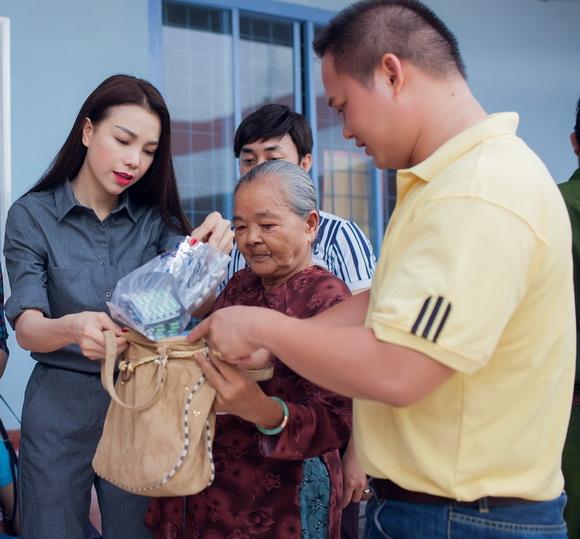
(158, 186)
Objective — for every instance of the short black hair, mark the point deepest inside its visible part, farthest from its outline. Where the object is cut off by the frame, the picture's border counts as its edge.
(274, 121)
(577, 124)
(359, 36)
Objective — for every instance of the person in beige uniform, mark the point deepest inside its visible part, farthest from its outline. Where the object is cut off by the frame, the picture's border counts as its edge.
(461, 357)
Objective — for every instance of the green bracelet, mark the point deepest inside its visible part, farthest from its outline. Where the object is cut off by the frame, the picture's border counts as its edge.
(281, 426)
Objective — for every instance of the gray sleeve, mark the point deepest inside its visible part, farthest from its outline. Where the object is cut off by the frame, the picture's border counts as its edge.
(25, 253)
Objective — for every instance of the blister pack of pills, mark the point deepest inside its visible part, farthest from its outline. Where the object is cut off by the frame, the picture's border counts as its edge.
(158, 298)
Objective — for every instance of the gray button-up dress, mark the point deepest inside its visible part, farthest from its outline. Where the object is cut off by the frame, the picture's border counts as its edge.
(61, 259)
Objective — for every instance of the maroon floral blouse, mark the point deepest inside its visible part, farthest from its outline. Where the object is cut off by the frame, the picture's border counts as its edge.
(256, 493)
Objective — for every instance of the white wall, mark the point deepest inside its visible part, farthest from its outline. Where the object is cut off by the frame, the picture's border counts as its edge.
(524, 55)
(521, 55)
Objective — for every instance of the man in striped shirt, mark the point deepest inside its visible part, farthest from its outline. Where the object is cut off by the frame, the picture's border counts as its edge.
(275, 132)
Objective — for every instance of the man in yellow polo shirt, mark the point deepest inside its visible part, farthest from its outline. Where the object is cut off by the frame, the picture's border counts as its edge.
(461, 357)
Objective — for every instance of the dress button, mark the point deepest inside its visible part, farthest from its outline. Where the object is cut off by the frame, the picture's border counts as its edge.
(108, 295)
(102, 262)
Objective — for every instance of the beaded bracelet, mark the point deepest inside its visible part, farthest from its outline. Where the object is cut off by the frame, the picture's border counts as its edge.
(281, 426)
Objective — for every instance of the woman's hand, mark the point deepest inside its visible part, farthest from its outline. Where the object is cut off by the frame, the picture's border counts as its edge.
(236, 394)
(216, 231)
(354, 480)
(86, 329)
(37, 333)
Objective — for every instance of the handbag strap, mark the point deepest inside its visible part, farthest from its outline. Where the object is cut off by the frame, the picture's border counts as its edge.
(108, 373)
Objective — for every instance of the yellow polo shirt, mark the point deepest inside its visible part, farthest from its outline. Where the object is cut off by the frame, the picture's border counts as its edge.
(476, 272)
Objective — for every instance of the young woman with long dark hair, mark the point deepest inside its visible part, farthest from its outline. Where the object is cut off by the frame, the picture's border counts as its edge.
(107, 204)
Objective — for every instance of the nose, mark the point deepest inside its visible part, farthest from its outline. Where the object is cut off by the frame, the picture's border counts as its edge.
(133, 158)
(253, 236)
(347, 133)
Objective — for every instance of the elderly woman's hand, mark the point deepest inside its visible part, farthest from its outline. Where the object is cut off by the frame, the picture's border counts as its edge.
(236, 394)
(216, 231)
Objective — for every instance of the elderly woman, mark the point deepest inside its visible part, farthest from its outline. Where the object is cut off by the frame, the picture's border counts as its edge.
(278, 471)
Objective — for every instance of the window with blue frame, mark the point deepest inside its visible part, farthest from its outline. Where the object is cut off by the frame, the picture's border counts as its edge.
(220, 62)
(265, 62)
(197, 61)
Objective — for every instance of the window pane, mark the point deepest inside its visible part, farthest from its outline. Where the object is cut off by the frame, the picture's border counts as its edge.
(266, 63)
(198, 86)
(345, 172)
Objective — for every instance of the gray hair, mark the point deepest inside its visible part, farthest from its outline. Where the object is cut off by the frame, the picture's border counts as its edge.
(295, 181)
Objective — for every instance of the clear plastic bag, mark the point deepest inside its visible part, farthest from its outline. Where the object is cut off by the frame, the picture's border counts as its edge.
(157, 299)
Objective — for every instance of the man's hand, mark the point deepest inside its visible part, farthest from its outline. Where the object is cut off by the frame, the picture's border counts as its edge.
(232, 332)
(353, 478)
(257, 360)
(216, 231)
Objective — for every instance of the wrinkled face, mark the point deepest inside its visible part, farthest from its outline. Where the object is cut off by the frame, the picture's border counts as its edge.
(275, 242)
(121, 147)
(372, 116)
(271, 150)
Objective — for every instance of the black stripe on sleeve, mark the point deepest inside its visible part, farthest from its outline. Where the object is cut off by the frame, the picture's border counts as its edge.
(432, 317)
(421, 315)
(442, 323)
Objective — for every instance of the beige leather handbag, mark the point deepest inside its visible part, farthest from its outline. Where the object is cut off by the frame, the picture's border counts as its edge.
(158, 433)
